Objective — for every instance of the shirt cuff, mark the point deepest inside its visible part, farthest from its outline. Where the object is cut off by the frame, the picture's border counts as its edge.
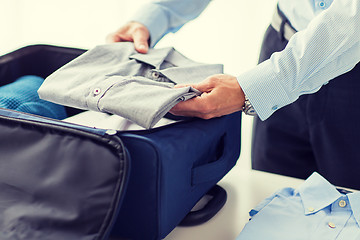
(263, 89)
(152, 17)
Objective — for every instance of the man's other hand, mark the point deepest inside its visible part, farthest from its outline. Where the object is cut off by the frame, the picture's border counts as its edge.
(132, 32)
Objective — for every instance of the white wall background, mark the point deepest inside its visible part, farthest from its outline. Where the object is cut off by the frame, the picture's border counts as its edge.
(228, 32)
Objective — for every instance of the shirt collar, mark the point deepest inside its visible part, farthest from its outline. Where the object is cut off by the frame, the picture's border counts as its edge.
(155, 57)
(186, 70)
(191, 74)
(317, 193)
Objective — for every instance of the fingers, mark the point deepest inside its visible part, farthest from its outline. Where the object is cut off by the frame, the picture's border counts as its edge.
(200, 106)
(221, 95)
(205, 86)
(140, 37)
(192, 108)
(132, 32)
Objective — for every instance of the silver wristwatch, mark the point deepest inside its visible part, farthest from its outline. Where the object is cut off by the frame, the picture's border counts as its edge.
(248, 109)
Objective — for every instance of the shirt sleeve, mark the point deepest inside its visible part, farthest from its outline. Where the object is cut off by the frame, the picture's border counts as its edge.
(164, 16)
(327, 48)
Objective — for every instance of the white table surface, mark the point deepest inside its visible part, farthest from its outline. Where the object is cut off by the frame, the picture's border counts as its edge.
(245, 189)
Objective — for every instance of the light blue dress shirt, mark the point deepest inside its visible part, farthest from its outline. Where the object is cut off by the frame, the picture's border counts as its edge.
(316, 210)
(325, 46)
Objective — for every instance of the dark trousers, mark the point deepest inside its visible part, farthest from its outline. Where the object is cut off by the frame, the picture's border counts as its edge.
(318, 132)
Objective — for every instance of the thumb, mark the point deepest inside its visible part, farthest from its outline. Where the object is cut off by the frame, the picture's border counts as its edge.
(141, 41)
(182, 85)
(204, 86)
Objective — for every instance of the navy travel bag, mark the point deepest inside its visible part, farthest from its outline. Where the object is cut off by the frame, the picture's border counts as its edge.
(65, 181)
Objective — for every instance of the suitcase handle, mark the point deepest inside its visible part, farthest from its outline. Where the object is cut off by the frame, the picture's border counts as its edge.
(214, 171)
(211, 208)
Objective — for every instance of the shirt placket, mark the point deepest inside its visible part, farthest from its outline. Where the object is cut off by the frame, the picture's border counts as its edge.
(156, 75)
(331, 226)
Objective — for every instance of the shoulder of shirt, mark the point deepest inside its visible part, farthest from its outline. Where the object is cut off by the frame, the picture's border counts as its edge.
(286, 192)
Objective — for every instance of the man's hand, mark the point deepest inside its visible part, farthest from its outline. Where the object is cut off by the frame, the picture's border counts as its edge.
(132, 32)
(221, 95)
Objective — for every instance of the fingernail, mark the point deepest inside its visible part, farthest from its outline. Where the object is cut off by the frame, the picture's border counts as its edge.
(142, 47)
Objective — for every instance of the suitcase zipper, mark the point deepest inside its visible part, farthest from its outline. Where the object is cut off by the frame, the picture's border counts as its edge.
(104, 135)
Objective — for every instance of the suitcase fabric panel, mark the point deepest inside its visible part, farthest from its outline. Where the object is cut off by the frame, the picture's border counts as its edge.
(172, 167)
(210, 145)
(57, 184)
(139, 213)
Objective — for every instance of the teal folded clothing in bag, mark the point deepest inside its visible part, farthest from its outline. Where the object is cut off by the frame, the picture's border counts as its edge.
(22, 96)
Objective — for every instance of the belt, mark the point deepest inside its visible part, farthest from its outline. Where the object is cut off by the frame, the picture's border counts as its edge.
(282, 25)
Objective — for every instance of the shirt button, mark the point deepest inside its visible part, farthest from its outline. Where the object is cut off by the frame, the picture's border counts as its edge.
(322, 4)
(331, 225)
(155, 75)
(311, 209)
(96, 91)
(342, 203)
(274, 107)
